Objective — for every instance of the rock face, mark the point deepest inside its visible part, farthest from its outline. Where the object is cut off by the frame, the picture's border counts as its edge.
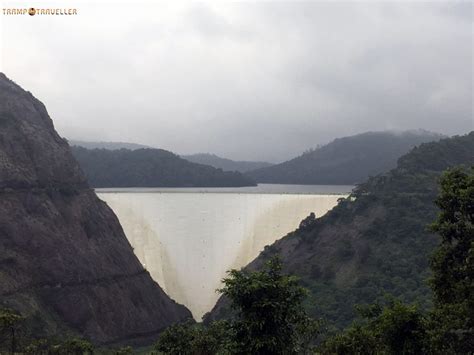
(65, 262)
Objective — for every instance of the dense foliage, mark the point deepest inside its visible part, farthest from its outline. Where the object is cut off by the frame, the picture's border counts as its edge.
(196, 339)
(150, 168)
(374, 242)
(394, 329)
(447, 328)
(346, 160)
(270, 319)
(9, 326)
(16, 337)
(453, 265)
(225, 164)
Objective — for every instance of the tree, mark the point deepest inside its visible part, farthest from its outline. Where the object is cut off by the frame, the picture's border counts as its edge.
(50, 346)
(449, 327)
(356, 339)
(196, 339)
(394, 329)
(270, 317)
(400, 329)
(176, 339)
(76, 346)
(126, 350)
(452, 328)
(9, 321)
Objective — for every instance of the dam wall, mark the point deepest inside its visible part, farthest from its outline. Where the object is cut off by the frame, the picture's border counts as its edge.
(187, 241)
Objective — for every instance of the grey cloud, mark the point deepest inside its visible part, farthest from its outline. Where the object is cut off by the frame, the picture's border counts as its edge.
(261, 81)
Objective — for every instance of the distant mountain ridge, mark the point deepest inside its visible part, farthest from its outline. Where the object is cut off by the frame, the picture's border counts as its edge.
(151, 168)
(345, 161)
(199, 158)
(106, 145)
(224, 163)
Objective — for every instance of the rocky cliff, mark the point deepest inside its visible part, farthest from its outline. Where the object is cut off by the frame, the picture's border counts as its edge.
(65, 262)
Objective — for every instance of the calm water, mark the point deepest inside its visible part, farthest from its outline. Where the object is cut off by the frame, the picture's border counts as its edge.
(260, 189)
(188, 237)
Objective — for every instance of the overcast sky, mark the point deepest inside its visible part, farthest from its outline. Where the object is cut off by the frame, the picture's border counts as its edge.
(245, 80)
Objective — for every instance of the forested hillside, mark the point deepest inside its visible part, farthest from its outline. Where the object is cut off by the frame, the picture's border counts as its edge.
(374, 242)
(150, 168)
(345, 161)
(225, 164)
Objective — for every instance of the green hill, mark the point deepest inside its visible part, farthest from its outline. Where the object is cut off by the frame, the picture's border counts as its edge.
(225, 164)
(345, 161)
(373, 242)
(151, 168)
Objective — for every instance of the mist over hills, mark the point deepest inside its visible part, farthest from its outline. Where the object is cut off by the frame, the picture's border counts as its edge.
(345, 161)
(374, 242)
(225, 164)
(106, 145)
(151, 168)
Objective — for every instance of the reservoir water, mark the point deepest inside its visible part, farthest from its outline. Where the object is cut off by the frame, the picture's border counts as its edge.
(187, 238)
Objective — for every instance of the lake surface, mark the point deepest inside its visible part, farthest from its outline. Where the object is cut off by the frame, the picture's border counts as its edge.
(187, 238)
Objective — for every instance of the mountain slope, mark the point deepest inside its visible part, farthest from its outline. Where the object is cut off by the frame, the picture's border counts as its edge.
(345, 161)
(225, 164)
(151, 168)
(65, 262)
(375, 241)
(106, 145)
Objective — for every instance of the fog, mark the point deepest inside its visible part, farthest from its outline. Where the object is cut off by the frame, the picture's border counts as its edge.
(257, 80)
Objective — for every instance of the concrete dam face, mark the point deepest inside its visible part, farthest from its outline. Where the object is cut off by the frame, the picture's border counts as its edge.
(188, 240)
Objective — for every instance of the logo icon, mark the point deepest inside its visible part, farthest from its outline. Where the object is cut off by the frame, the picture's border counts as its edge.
(31, 11)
